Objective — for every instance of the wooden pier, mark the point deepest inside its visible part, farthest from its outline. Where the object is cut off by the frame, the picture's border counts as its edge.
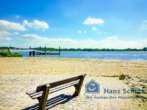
(34, 53)
(37, 52)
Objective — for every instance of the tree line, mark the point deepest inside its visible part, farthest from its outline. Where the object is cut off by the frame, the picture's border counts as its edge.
(76, 49)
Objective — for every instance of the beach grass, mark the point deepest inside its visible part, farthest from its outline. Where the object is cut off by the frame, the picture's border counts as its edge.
(10, 54)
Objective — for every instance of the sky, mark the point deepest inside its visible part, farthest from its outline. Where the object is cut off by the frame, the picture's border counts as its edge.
(74, 23)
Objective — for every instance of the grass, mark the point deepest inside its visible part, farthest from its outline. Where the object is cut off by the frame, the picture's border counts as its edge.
(9, 54)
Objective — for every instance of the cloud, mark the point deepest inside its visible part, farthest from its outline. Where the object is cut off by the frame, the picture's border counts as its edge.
(116, 42)
(93, 21)
(4, 36)
(5, 39)
(109, 42)
(36, 40)
(34, 37)
(11, 32)
(15, 26)
(36, 24)
(4, 33)
(8, 25)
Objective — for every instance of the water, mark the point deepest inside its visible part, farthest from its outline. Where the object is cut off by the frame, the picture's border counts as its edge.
(112, 55)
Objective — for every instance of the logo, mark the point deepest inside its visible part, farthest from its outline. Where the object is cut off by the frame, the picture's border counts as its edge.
(92, 87)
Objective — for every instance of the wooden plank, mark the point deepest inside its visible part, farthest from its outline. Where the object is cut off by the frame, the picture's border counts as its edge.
(52, 90)
(54, 84)
(35, 94)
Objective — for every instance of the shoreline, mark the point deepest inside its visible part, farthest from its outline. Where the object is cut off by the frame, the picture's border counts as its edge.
(68, 58)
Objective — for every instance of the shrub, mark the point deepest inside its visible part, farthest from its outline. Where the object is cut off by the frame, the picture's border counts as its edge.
(122, 77)
(9, 54)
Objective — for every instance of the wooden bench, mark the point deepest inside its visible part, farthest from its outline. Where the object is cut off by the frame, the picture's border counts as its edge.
(43, 91)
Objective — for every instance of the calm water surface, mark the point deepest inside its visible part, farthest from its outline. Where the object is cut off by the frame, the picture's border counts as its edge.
(116, 55)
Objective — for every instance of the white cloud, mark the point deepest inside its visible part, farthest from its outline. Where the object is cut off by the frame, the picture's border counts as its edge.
(4, 33)
(4, 36)
(93, 21)
(36, 40)
(5, 39)
(8, 25)
(115, 42)
(15, 26)
(109, 42)
(36, 24)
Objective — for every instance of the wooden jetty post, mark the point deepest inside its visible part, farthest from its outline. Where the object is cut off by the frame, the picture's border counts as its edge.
(45, 50)
(59, 51)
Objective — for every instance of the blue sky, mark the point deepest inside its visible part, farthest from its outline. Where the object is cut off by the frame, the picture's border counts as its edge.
(74, 23)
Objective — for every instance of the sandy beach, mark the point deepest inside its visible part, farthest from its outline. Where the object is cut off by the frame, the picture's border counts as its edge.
(18, 75)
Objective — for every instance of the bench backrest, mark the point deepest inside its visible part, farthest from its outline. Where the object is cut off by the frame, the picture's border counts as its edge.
(72, 81)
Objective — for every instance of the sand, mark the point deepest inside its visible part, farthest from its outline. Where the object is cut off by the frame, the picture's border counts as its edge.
(19, 75)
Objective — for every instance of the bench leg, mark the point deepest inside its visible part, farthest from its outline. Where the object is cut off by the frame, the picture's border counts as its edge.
(43, 99)
(79, 86)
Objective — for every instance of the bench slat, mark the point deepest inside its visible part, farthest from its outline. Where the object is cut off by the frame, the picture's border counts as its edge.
(35, 94)
(57, 83)
(63, 86)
